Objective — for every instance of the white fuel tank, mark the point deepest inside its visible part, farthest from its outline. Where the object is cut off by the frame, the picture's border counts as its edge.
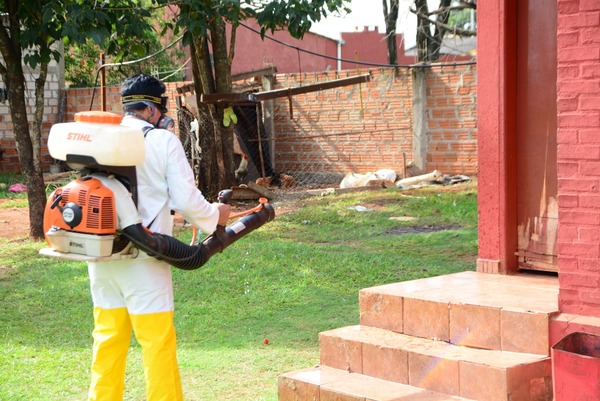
(96, 137)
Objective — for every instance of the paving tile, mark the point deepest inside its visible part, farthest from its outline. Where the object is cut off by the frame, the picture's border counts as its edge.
(519, 382)
(525, 291)
(439, 366)
(385, 362)
(483, 382)
(301, 385)
(473, 335)
(433, 373)
(531, 382)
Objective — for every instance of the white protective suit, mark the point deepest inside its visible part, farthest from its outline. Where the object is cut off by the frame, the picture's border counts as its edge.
(137, 294)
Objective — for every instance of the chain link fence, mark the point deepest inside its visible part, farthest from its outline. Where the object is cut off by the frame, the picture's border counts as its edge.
(189, 128)
(252, 150)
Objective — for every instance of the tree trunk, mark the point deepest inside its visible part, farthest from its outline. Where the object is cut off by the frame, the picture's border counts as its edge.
(391, 19)
(217, 163)
(204, 83)
(13, 76)
(36, 133)
(423, 32)
(224, 141)
(28, 160)
(442, 19)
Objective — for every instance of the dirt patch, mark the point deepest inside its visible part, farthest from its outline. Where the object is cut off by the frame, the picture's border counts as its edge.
(14, 221)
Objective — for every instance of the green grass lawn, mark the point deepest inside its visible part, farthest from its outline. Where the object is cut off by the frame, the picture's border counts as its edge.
(286, 282)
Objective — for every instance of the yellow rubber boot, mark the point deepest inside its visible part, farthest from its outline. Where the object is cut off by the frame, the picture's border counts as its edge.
(156, 334)
(112, 337)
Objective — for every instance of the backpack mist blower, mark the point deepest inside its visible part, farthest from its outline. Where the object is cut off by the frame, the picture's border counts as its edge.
(94, 218)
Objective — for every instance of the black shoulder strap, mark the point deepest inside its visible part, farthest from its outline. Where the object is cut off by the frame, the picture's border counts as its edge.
(147, 129)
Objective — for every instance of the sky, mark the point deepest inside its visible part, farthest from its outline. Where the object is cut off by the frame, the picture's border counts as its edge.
(370, 13)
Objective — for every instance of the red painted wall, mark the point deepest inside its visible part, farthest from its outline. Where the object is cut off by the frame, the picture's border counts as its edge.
(253, 54)
(579, 156)
(496, 112)
(369, 46)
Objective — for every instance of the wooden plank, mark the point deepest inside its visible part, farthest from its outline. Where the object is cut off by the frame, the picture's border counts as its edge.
(336, 83)
(285, 92)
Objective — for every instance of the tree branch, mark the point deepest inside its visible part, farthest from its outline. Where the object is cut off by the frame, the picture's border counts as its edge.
(444, 27)
(462, 6)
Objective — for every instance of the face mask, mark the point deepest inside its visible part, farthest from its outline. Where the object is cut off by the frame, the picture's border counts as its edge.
(166, 122)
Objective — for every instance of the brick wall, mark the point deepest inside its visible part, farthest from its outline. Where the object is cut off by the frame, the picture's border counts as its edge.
(363, 128)
(358, 128)
(452, 120)
(578, 123)
(80, 99)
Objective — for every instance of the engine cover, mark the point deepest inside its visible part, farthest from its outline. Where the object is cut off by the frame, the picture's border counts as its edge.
(84, 206)
(81, 220)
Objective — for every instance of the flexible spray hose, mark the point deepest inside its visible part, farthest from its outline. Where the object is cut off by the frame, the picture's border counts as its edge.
(191, 257)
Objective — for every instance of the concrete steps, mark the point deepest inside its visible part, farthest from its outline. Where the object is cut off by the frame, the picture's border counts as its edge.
(472, 335)
(329, 384)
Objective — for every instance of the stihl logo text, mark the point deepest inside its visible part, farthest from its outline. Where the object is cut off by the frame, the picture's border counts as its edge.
(74, 136)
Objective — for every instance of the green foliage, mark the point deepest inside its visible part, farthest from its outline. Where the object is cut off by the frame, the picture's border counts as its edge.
(20, 199)
(43, 23)
(82, 60)
(461, 19)
(14, 200)
(296, 16)
(286, 282)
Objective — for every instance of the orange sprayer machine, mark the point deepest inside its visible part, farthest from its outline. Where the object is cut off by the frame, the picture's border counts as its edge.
(95, 218)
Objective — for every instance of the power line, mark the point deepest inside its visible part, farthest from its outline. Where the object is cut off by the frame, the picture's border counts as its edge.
(130, 63)
(299, 49)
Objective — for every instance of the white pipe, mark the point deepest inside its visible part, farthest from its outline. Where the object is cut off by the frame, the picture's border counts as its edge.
(339, 53)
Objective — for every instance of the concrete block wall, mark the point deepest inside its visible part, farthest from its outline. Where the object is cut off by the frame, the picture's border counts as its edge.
(53, 111)
(578, 123)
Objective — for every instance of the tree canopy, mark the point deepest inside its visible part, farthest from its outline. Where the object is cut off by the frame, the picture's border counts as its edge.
(33, 31)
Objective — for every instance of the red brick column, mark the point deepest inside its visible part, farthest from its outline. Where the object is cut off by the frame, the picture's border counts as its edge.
(578, 123)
